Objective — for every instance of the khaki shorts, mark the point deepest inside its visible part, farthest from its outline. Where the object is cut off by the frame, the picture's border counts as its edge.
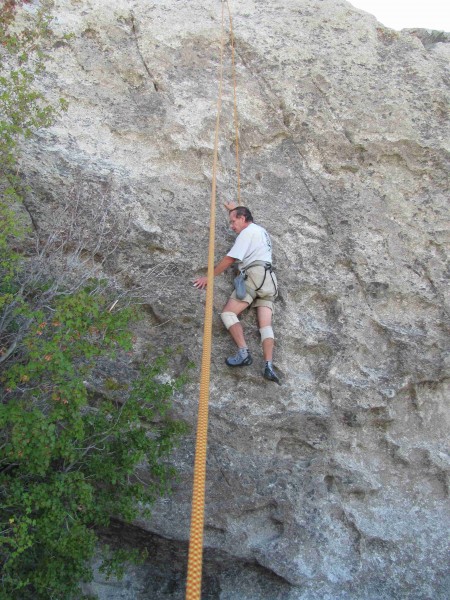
(266, 295)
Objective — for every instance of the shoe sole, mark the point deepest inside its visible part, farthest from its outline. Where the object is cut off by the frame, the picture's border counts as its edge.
(271, 379)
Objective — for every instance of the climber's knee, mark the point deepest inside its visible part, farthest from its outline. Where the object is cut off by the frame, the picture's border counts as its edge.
(266, 333)
(229, 319)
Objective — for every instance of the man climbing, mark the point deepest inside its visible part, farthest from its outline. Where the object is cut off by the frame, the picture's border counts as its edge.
(253, 250)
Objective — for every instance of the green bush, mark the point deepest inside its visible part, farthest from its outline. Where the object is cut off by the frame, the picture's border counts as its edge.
(69, 461)
(72, 454)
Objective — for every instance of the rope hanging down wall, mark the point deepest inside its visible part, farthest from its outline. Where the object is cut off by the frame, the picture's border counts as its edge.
(195, 558)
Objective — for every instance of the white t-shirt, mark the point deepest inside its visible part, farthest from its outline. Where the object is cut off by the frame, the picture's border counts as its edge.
(253, 243)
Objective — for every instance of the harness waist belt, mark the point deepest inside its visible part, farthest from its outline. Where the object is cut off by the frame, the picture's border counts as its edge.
(257, 263)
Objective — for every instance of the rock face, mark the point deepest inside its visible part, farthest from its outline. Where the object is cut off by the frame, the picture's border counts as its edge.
(336, 484)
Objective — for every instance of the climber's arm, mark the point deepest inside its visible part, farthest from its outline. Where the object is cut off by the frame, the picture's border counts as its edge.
(201, 282)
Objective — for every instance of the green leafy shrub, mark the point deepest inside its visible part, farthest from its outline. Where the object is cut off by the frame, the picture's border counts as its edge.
(72, 454)
(69, 461)
(23, 108)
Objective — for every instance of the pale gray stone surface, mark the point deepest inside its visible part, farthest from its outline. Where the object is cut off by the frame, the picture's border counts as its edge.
(334, 485)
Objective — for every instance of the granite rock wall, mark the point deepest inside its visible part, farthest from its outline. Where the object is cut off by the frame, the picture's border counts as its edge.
(336, 484)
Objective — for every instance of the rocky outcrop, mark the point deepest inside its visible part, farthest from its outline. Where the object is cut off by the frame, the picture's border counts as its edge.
(334, 485)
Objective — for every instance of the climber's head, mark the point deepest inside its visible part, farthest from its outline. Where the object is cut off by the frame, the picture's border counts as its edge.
(240, 218)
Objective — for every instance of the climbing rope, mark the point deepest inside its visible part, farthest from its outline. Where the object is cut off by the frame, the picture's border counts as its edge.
(235, 112)
(194, 574)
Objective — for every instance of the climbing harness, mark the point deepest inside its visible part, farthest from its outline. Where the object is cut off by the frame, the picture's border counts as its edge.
(194, 574)
(267, 269)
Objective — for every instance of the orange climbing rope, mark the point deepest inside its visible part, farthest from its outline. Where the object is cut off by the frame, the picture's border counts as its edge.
(195, 558)
(194, 574)
(235, 112)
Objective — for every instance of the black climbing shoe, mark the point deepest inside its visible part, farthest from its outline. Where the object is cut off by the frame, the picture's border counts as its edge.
(241, 359)
(270, 374)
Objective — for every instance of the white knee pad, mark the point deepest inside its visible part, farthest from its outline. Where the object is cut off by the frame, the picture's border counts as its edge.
(266, 333)
(229, 319)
